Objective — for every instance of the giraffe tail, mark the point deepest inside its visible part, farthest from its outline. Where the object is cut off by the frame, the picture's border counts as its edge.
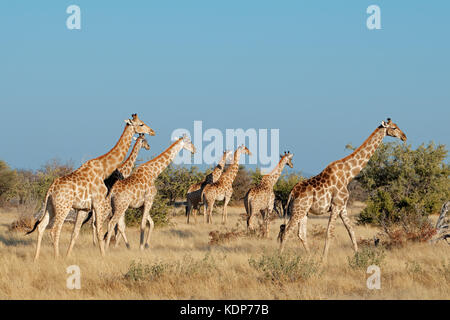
(87, 218)
(282, 233)
(44, 208)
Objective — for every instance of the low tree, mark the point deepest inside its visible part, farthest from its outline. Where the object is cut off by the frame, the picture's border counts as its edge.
(8, 181)
(174, 182)
(404, 183)
(282, 190)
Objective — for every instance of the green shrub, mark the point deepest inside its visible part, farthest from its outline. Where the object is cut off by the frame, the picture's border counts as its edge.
(366, 257)
(285, 267)
(158, 212)
(187, 266)
(402, 182)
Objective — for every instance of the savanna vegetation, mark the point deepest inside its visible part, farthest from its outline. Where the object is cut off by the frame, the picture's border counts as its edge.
(394, 204)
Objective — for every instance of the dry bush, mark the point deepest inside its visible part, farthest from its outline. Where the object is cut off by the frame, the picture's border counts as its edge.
(410, 230)
(366, 257)
(217, 237)
(24, 223)
(287, 267)
(187, 266)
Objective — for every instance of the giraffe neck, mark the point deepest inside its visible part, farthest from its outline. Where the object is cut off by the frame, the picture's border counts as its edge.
(126, 168)
(161, 162)
(361, 156)
(273, 177)
(112, 160)
(233, 169)
(218, 170)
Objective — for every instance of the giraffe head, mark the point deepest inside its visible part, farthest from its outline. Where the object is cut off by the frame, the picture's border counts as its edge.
(393, 130)
(187, 144)
(139, 126)
(144, 142)
(244, 150)
(287, 157)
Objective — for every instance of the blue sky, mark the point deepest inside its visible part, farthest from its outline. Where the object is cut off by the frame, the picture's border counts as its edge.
(309, 68)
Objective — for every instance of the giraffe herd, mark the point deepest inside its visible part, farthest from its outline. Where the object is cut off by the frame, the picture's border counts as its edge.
(107, 186)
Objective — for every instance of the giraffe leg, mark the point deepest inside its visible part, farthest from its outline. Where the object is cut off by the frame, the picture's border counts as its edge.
(284, 234)
(41, 229)
(117, 234)
(267, 222)
(300, 209)
(119, 212)
(302, 227)
(94, 231)
(209, 209)
(81, 216)
(150, 231)
(225, 211)
(145, 220)
(334, 213)
(188, 210)
(349, 227)
(121, 227)
(249, 210)
(60, 217)
(101, 212)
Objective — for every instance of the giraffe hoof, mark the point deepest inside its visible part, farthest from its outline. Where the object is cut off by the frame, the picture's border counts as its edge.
(128, 246)
(147, 246)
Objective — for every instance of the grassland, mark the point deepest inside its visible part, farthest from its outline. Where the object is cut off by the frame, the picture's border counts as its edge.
(181, 264)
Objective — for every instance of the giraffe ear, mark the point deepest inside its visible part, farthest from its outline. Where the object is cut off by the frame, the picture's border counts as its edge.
(384, 124)
(128, 121)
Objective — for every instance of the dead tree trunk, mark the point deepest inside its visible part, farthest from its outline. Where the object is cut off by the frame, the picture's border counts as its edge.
(442, 225)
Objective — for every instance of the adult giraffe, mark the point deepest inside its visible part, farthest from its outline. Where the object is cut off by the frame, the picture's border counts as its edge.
(261, 198)
(327, 192)
(122, 172)
(194, 194)
(84, 189)
(139, 190)
(223, 188)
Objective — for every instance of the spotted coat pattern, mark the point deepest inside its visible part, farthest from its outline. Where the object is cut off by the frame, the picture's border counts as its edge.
(194, 194)
(139, 190)
(84, 189)
(327, 192)
(223, 188)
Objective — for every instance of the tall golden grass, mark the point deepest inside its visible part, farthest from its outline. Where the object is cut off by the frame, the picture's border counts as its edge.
(181, 264)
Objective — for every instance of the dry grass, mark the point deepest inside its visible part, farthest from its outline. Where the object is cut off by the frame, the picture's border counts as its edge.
(181, 264)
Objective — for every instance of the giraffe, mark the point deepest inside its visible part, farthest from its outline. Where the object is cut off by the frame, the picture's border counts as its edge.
(223, 188)
(122, 172)
(261, 198)
(139, 190)
(84, 189)
(195, 191)
(327, 192)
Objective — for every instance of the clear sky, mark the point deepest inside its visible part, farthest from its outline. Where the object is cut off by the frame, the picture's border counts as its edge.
(309, 68)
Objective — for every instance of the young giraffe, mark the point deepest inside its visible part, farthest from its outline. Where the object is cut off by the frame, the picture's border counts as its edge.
(84, 189)
(139, 190)
(327, 192)
(195, 191)
(223, 188)
(122, 172)
(261, 198)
